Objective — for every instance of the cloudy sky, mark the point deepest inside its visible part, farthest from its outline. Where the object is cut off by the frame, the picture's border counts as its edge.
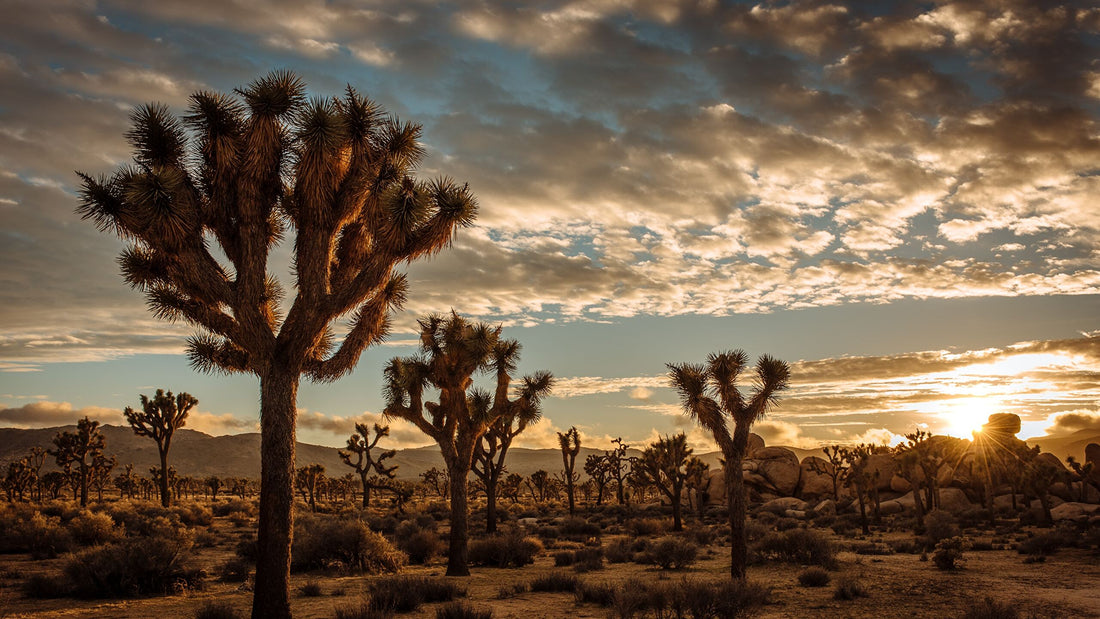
(898, 198)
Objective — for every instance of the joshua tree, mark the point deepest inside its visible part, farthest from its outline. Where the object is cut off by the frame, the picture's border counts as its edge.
(1085, 473)
(699, 386)
(570, 443)
(511, 486)
(214, 484)
(242, 171)
(907, 466)
(309, 479)
(452, 350)
(360, 444)
(492, 449)
(595, 465)
(618, 466)
(835, 469)
(20, 479)
(436, 480)
(159, 418)
(126, 482)
(101, 473)
(539, 483)
(856, 477)
(695, 472)
(664, 465)
(76, 453)
(35, 460)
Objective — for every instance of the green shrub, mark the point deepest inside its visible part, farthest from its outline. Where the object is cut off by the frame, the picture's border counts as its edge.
(801, 546)
(848, 588)
(555, 582)
(949, 553)
(462, 610)
(135, 566)
(813, 577)
(333, 543)
(216, 610)
(402, 594)
(510, 549)
(669, 553)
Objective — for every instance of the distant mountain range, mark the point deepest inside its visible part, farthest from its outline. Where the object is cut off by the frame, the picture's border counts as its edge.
(238, 455)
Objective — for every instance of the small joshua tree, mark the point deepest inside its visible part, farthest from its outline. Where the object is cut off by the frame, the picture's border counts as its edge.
(618, 466)
(158, 419)
(709, 393)
(361, 445)
(663, 464)
(570, 443)
(76, 453)
(595, 465)
(835, 469)
(309, 480)
(695, 472)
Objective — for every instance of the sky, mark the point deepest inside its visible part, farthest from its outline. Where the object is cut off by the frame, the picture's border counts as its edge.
(897, 198)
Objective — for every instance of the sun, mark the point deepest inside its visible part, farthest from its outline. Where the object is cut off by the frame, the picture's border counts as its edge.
(965, 416)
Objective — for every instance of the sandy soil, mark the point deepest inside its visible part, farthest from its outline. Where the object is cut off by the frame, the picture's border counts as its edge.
(1066, 585)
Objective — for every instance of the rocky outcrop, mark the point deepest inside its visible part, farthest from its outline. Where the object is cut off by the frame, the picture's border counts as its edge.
(815, 484)
(773, 470)
(1076, 512)
(783, 505)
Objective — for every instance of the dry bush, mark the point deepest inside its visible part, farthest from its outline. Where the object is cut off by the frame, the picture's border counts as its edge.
(989, 608)
(813, 577)
(135, 566)
(669, 553)
(402, 594)
(236, 506)
(90, 528)
(949, 553)
(235, 569)
(555, 582)
(801, 546)
(322, 542)
(690, 598)
(462, 610)
(848, 588)
(216, 610)
(623, 550)
(645, 527)
(24, 530)
(601, 594)
(939, 525)
(509, 549)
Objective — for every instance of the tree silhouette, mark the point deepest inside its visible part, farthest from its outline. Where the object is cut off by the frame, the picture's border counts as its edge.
(570, 443)
(492, 449)
(361, 445)
(539, 483)
(595, 465)
(77, 452)
(242, 171)
(618, 466)
(158, 419)
(452, 350)
(857, 477)
(664, 465)
(309, 480)
(835, 470)
(709, 394)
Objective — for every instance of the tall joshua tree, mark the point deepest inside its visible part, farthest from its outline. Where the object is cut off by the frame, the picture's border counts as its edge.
(664, 464)
(79, 453)
(361, 445)
(452, 350)
(159, 418)
(570, 443)
(492, 449)
(244, 171)
(709, 393)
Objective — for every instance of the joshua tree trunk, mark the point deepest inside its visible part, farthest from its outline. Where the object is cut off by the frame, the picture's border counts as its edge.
(366, 490)
(677, 523)
(165, 499)
(491, 504)
(458, 555)
(735, 496)
(279, 391)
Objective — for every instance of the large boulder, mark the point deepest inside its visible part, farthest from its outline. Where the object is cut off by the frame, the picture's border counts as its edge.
(900, 484)
(1092, 454)
(773, 469)
(756, 442)
(1077, 512)
(1048, 459)
(815, 484)
(716, 487)
(954, 500)
(1004, 501)
(881, 467)
(782, 505)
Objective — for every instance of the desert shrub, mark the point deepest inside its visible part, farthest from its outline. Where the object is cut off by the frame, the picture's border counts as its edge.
(311, 589)
(192, 514)
(619, 551)
(766, 518)
(207, 538)
(583, 560)
(555, 582)
(235, 569)
(420, 545)
(939, 525)
(786, 524)
(154, 565)
(701, 536)
(949, 553)
(144, 519)
(602, 594)
(801, 546)
(402, 594)
(235, 506)
(669, 553)
(385, 524)
(325, 543)
(216, 610)
(989, 608)
(41, 535)
(548, 532)
(981, 546)
(510, 549)
(90, 528)
(848, 588)
(462, 610)
(510, 591)
(43, 587)
(578, 528)
(905, 546)
(690, 598)
(813, 577)
(363, 610)
(871, 548)
(564, 558)
(645, 527)
(1044, 544)
(248, 548)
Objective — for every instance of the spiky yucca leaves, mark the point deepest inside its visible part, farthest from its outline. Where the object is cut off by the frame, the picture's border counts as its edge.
(710, 395)
(452, 350)
(570, 444)
(158, 419)
(242, 171)
(365, 464)
(492, 449)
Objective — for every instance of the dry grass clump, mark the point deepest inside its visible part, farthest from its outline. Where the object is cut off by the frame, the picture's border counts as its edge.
(555, 582)
(800, 546)
(402, 594)
(216, 610)
(813, 577)
(509, 549)
(690, 598)
(849, 588)
(669, 553)
(462, 610)
(332, 543)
